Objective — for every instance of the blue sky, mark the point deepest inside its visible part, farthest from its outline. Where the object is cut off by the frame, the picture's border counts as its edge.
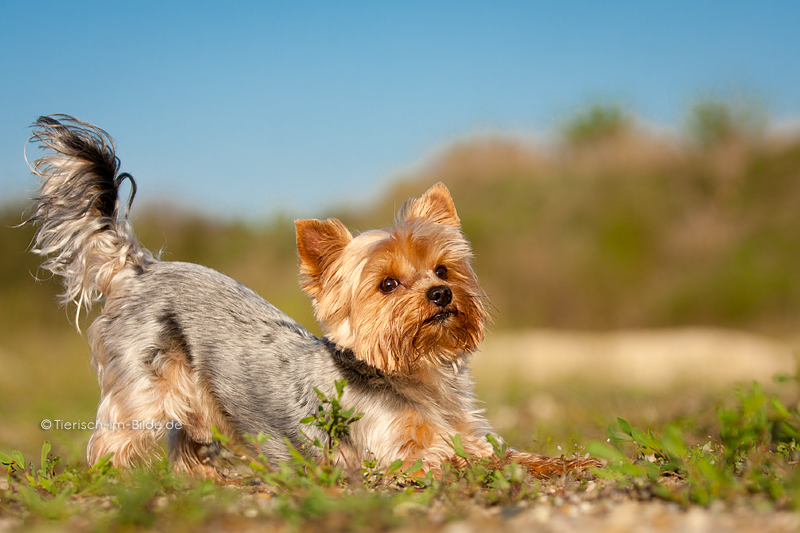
(246, 109)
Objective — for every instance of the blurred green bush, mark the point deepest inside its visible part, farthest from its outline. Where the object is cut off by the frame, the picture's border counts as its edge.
(629, 230)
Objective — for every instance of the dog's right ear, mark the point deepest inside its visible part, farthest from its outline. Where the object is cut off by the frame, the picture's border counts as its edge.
(436, 205)
(319, 243)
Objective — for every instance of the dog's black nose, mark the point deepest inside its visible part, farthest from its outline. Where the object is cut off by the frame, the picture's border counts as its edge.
(441, 295)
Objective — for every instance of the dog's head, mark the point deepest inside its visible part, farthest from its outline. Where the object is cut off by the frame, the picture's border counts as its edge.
(398, 297)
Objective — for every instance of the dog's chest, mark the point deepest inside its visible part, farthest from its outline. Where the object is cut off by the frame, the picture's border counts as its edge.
(407, 432)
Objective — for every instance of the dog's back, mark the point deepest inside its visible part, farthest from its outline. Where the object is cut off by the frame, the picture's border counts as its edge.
(183, 343)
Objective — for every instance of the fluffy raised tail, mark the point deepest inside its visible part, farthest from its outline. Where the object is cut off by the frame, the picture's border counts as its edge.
(85, 237)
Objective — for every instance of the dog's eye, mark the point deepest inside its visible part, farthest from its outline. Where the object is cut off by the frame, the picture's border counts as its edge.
(389, 285)
(441, 272)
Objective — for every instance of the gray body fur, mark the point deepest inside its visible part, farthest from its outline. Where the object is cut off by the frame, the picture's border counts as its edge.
(260, 364)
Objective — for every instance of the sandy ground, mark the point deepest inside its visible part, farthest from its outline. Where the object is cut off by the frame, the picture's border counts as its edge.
(654, 360)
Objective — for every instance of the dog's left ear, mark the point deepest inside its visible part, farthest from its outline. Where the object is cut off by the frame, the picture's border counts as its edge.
(435, 205)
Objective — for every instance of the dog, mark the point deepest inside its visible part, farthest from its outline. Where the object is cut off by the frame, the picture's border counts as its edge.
(180, 349)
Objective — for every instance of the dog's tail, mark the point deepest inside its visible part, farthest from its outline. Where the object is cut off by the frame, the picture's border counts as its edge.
(84, 235)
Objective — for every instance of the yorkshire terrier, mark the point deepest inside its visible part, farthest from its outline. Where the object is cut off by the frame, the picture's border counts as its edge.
(182, 346)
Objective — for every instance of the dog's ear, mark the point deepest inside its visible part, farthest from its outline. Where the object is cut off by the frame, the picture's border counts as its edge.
(319, 243)
(435, 205)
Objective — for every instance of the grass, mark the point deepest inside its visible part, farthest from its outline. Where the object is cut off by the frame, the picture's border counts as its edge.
(754, 456)
(749, 462)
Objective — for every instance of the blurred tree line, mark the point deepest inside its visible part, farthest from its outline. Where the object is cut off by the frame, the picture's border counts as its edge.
(617, 226)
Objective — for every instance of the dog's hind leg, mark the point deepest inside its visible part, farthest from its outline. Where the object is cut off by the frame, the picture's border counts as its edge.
(149, 385)
(143, 386)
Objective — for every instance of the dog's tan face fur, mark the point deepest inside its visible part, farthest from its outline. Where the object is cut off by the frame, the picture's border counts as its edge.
(400, 298)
